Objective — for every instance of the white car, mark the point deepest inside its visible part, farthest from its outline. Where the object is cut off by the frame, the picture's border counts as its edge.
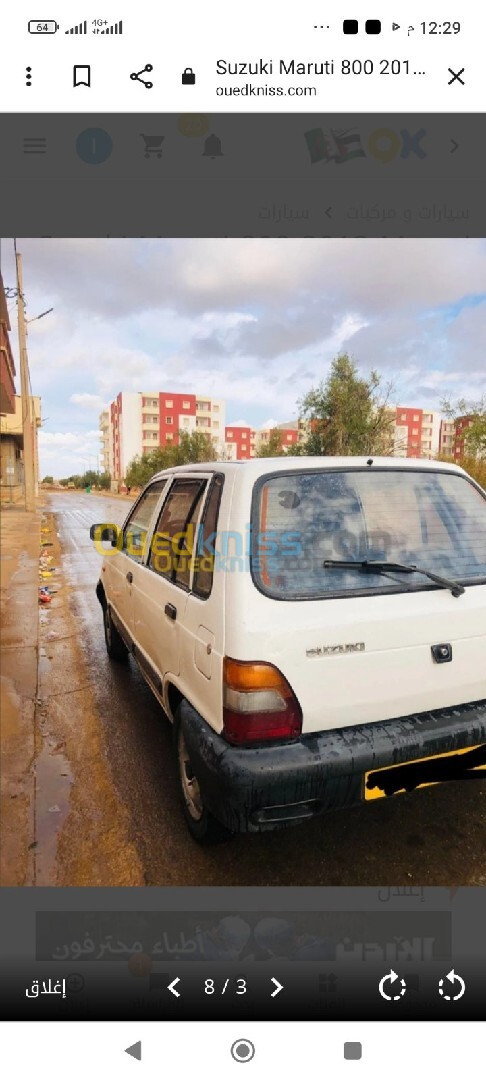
(315, 629)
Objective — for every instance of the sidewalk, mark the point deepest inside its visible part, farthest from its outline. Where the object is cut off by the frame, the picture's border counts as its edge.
(19, 581)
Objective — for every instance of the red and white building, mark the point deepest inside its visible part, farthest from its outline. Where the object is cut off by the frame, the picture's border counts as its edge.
(244, 442)
(461, 425)
(239, 443)
(144, 421)
(417, 433)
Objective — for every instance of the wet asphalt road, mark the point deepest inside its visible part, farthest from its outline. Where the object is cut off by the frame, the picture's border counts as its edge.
(434, 837)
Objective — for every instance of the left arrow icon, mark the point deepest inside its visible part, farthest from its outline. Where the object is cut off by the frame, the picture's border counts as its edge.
(278, 987)
(172, 987)
(135, 1051)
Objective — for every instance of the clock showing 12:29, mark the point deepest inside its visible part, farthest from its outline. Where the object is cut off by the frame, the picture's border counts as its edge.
(441, 28)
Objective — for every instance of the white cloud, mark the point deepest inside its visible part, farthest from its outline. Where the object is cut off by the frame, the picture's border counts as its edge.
(88, 401)
(63, 453)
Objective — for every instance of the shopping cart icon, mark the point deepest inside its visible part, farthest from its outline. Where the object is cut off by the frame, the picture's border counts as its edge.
(153, 144)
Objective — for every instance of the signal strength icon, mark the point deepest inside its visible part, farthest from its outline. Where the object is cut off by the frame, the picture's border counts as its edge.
(117, 28)
(81, 28)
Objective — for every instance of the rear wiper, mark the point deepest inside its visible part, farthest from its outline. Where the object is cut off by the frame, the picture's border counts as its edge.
(376, 567)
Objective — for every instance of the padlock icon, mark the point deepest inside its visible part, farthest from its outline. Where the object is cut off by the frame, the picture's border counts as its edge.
(188, 77)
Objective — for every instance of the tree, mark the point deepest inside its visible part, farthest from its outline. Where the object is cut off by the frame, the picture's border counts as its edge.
(475, 435)
(88, 479)
(192, 446)
(48, 480)
(274, 446)
(142, 467)
(348, 414)
(476, 467)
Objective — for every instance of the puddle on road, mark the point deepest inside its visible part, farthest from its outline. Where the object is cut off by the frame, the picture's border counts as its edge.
(53, 780)
(53, 784)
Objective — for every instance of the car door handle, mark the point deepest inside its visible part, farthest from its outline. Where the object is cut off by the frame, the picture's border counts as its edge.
(129, 577)
(171, 611)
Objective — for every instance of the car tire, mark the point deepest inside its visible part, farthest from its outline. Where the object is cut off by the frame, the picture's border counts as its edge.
(202, 825)
(115, 645)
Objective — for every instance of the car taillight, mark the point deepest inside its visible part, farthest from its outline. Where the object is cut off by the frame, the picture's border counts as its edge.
(258, 703)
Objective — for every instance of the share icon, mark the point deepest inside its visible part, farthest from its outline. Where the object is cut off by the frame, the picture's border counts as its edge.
(136, 76)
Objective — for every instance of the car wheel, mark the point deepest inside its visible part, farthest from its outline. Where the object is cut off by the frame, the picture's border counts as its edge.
(115, 645)
(202, 826)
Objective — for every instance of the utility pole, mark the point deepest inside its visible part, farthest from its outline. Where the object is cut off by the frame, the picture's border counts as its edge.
(29, 465)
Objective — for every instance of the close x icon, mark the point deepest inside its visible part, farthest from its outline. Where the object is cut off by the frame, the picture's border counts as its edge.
(467, 764)
(456, 76)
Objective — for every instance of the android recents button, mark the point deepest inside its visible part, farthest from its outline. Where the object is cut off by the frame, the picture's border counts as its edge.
(353, 1051)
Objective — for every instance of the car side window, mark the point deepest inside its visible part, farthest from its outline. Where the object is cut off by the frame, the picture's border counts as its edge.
(138, 524)
(204, 567)
(173, 540)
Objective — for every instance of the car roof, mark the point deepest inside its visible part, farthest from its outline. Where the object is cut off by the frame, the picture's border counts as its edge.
(256, 467)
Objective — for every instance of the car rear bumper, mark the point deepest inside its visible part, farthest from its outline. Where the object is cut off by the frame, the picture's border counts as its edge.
(251, 789)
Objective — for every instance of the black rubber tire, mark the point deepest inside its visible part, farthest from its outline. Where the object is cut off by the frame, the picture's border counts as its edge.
(115, 645)
(205, 829)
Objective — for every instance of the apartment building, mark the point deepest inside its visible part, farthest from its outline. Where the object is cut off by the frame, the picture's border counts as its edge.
(461, 424)
(239, 443)
(447, 437)
(106, 450)
(289, 435)
(416, 433)
(140, 422)
(244, 442)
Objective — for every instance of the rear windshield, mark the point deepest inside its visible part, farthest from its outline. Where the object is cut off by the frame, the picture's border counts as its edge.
(433, 520)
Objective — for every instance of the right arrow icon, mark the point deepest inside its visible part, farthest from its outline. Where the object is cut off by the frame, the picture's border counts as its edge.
(278, 987)
(455, 146)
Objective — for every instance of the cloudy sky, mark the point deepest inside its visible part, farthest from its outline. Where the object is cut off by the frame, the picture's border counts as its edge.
(256, 322)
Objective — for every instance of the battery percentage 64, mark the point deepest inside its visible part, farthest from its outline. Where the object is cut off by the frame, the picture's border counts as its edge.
(42, 26)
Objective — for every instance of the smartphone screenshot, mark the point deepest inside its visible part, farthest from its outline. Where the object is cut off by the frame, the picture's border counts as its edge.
(243, 540)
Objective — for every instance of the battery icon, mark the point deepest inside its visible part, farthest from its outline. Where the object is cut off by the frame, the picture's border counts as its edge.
(43, 26)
